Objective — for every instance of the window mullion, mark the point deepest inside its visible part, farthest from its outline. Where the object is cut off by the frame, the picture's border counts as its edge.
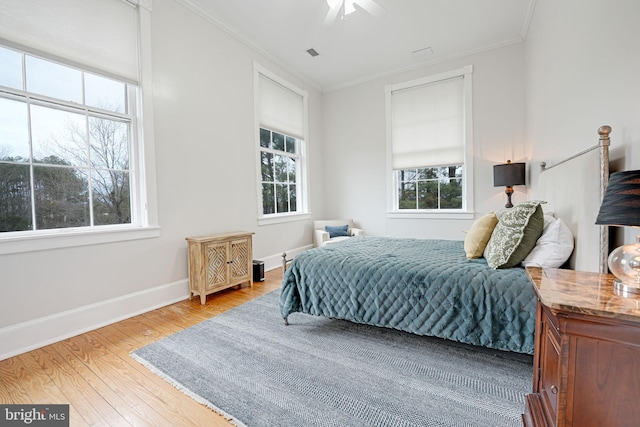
(89, 169)
(275, 186)
(136, 181)
(31, 171)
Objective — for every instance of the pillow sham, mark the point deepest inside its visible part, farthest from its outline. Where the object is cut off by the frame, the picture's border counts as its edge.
(337, 230)
(515, 235)
(553, 248)
(479, 234)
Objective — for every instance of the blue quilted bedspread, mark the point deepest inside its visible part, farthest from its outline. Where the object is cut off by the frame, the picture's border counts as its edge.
(427, 287)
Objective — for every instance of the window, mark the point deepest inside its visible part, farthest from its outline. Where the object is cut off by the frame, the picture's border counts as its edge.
(430, 137)
(281, 113)
(430, 188)
(64, 146)
(74, 152)
(279, 167)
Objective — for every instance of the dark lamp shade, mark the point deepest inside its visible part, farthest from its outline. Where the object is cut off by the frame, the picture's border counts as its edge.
(508, 175)
(621, 202)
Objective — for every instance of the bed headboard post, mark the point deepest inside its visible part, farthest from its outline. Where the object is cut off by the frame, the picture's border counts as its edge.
(604, 143)
(564, 197)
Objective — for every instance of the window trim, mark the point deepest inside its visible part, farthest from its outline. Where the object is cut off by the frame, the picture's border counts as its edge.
(467, 211)
(303, 212)
(142, 161)
(21, 241)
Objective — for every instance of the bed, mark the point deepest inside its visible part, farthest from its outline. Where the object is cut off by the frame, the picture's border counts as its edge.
(431, 287)
(426, 287)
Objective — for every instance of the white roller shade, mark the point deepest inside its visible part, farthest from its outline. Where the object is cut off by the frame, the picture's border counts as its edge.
(280, 108)
(100, 35)
(427, 125)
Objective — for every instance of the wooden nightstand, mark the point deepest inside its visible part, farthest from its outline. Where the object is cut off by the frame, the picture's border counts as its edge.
(218, 262)
(587, 352)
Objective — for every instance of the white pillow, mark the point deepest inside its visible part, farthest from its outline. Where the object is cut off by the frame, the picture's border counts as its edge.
(548, 213)
(548, 219)
(553, 248)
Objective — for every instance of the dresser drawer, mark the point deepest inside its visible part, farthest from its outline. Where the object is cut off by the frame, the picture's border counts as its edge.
(549, 387)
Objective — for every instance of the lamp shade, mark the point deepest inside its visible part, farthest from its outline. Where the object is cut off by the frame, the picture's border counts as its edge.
(509, 174)
(621, 206)
(621, 202)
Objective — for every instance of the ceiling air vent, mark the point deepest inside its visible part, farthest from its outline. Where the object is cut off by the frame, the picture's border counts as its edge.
(312, 52)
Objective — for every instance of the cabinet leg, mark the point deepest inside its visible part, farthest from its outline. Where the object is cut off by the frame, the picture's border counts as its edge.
(203, 299)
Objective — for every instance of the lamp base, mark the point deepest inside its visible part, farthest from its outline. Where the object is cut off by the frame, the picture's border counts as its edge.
(508, 192)
(624, 264)
(624, 289)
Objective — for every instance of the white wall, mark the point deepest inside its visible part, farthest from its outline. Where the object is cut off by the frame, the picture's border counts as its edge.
(206, 181)
(582, 63)
(355, 144)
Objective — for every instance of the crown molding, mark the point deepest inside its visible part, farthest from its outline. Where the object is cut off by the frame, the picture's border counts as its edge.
(527, 19)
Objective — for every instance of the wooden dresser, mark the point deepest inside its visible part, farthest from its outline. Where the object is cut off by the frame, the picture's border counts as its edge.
(218, 262)
(587, 352)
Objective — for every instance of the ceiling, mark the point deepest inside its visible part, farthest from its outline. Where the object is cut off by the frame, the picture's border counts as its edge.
(363, 46)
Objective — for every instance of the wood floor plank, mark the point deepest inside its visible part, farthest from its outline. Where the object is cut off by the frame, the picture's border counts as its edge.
(41, 388)
(171, 315)
(95, 374)
(92, 407)
(121, 347)
(188, 313)
(11, 390)
(134, 384)
(34, 381)
(139, 331)
(84, 364)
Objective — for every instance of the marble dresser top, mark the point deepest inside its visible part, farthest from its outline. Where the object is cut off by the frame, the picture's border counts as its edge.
(583, 293)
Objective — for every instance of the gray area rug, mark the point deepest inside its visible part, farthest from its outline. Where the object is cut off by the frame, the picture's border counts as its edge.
(250, 367)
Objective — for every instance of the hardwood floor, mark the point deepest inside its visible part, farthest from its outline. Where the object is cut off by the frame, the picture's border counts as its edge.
(103, 385)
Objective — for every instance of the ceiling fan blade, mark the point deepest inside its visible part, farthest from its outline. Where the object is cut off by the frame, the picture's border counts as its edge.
(348, 7)
(345, 7)
(371, 7)
(332, 14)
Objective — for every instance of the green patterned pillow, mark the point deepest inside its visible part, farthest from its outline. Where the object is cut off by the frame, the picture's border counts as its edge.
(517, 232)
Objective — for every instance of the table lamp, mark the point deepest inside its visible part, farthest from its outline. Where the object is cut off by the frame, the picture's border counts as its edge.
(508, 175)
(621, 206)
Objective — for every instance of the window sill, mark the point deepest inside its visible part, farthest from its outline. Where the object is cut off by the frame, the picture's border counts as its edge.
(277, 219)
(66, 238)
(431, 215)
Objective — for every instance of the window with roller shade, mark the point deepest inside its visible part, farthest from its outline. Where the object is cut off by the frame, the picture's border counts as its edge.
(74, 149)
(281, 117)
(429, 123)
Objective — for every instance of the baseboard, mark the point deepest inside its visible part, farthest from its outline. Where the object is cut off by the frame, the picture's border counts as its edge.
(27, 336)
(275, 261)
